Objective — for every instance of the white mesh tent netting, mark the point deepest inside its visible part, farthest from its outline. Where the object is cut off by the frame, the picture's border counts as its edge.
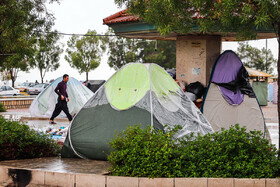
(44, 104)
(137, 94)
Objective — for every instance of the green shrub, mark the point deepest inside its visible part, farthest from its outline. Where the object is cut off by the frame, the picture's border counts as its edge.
(2, 107)
(229, 153)
(18, 141)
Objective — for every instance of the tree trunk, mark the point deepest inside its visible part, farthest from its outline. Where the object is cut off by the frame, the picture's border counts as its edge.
(41, 74)
(13, 83)
(278, 81)
(12, 78)
(87, 76)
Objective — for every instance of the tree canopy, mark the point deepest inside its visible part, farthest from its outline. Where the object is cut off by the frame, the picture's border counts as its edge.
(259, 59)
(47, 54)
(241, 16)
(124, 50)
(21, 22)
(84, 53)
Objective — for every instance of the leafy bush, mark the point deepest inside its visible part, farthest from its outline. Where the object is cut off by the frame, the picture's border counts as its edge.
(18, 141)
(2, 107)
(229, 153)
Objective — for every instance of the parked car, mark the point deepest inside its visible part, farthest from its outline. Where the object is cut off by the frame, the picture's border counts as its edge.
(35, 90)
(8, 90)
(24, 86)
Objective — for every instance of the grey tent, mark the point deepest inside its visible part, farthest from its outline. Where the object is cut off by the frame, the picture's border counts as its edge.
(137, 94)
(229, 98)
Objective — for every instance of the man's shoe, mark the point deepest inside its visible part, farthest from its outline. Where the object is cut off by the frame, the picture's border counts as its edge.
(52, 122)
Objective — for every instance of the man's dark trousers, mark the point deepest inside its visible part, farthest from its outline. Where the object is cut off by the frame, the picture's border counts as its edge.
(61, 105)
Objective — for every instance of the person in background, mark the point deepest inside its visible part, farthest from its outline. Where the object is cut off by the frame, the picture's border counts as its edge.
(62, 100)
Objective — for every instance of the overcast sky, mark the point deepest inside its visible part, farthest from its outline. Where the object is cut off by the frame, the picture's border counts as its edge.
(77, 17)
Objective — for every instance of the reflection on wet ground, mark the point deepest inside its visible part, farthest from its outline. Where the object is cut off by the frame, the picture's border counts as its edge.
(61, 165)
(55, 164)
(273, 132)
(39, 124)
(52, 164)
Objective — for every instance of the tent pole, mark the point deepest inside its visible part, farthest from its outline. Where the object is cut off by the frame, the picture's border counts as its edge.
(151, 102)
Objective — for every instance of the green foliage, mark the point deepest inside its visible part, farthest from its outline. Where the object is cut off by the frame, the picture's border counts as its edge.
(121, 51)
(125, 50)
(240, 16)
(230, 153)
(47, 53)
(252, 57)
(2, 107)
(159, 52)
(18, 141)
(85, 53)
(21, 22)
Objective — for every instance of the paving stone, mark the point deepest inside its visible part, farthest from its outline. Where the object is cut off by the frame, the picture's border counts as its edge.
(113, 181)
(272, 182)
(220, 182)
(193, 182)
(156, 182)
(249, 182)
(37, 177)
(3, 174)
(60, 179)
(85, 180)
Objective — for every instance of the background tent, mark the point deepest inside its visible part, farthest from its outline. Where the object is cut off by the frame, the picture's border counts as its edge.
(44, 104)
(275, 92)
(229, 98)
(270, 92)
(137, 94)
(94, 85)
(261, 90)
(260, 84)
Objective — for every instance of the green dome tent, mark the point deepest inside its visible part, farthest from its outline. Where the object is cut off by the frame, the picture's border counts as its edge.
(137, 94)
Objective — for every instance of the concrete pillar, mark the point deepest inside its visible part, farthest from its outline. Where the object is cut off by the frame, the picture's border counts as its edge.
(195, 57)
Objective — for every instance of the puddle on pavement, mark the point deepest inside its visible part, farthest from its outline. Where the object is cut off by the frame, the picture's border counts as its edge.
(62, 165)
(12, 117)
(59, 130)
(273, 132)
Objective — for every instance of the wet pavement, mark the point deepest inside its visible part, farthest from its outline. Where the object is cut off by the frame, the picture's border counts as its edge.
(43, 124)
(61, 165)
(15, 114)
(273, 132)
(24, 116)
(56, 164)
(271, 118)
(270, 113)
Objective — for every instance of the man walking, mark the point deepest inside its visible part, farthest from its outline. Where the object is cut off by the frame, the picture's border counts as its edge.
(62, 100)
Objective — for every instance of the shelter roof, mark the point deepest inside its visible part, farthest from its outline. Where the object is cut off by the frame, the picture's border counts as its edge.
(256, 73)
(131, 27)
(120, 17)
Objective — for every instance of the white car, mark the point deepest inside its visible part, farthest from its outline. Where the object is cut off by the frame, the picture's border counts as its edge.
(37, 89)
(24, 86)
(8, 90)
